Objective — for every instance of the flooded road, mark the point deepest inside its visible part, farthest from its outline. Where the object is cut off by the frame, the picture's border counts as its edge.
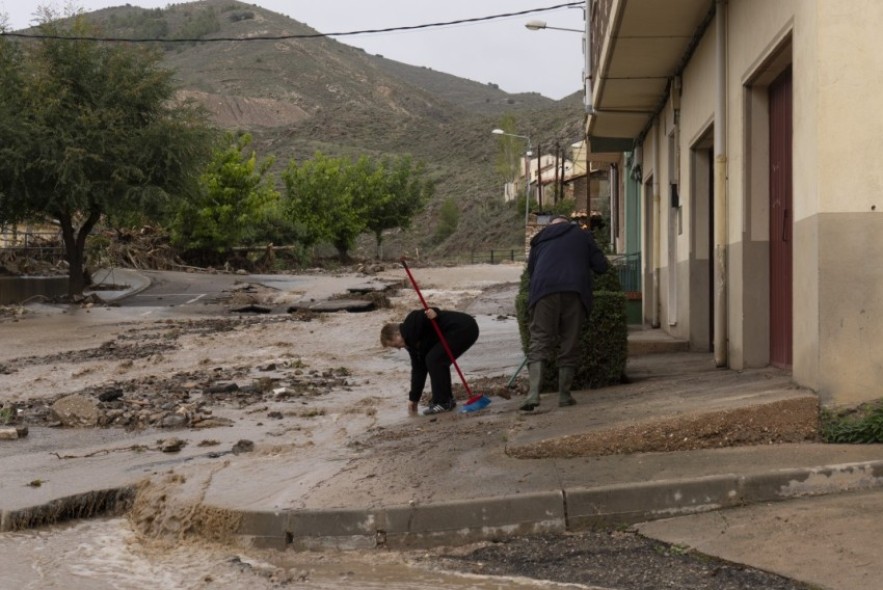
(68, 349)
(106, 554)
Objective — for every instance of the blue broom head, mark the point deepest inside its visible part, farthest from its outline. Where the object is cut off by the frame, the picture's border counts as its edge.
(479, 404)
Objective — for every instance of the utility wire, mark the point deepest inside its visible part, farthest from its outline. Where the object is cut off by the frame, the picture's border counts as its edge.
(301, 36)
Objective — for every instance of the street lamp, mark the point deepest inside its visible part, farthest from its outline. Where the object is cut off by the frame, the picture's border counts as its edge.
(536, 25)
(527, 156)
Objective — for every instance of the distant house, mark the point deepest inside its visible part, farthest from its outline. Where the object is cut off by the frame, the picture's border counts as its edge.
(750, 131)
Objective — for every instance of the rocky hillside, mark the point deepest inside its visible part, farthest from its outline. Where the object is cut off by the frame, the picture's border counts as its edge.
(301, 95)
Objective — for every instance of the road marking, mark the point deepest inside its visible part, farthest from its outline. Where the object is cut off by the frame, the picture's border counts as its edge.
(195, 299)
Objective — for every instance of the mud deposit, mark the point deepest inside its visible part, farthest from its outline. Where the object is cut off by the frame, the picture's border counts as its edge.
(309, 393)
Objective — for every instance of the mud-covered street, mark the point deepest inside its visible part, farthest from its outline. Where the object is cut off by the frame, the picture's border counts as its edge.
(170, 393)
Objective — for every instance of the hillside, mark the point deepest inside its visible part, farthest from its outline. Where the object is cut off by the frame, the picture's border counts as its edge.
(301, 95)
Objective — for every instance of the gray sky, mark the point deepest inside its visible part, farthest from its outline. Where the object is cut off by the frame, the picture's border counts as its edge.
(501, 51)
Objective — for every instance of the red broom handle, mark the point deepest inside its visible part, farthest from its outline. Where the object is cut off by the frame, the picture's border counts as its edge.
(438, 331)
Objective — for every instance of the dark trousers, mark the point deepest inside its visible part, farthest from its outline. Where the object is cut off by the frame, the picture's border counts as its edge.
(556, 321)
(438, 365)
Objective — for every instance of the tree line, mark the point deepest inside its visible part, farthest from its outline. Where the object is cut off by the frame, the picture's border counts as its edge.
(94, 132)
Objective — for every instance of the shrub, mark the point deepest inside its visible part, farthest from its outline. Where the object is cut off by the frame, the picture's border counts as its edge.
(240, 16)
(862, 425)
(603, 341)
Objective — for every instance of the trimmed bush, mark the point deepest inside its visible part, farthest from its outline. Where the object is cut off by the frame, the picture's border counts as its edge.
(603, 341)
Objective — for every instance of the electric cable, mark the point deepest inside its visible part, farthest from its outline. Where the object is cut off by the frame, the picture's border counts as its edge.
(294, 36)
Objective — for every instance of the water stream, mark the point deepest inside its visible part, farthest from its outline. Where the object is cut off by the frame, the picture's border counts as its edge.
(106, 554)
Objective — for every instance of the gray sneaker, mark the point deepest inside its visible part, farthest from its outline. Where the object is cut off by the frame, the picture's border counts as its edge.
(439, 408)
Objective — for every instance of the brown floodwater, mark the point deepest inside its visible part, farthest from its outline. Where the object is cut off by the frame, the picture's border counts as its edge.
(106, 554)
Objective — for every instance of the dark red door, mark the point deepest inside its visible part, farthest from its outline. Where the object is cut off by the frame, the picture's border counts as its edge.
(781, 222)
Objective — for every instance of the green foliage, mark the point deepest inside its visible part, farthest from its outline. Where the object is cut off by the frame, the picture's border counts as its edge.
(392, 192)
(91, 130)
(235, 198)
(562, 207)
(240, 16)
(335, 200)
(862, 425)
(603, 340)
(448, 218)
(320, 200)
(196, 26)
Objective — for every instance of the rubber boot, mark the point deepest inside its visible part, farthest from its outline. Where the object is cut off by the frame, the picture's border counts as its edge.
(535, 379)
(565, 380)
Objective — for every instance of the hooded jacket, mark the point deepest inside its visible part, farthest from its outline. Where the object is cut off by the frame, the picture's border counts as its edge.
(420, 337)
(563, 258)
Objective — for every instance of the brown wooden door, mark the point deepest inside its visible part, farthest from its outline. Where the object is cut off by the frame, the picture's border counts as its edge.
(781, 222)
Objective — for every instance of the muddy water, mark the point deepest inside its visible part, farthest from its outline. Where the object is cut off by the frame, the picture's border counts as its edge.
(106, 554)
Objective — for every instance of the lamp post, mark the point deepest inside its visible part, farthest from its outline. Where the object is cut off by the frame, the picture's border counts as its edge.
(527, 156)
(536, 25)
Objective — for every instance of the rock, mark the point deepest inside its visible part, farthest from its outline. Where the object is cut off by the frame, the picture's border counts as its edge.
(173, 421)
(76, 410)
(172, 445)
(110, 395)
(213, 423)
(13, 432)
(223, 387)
(243, 446)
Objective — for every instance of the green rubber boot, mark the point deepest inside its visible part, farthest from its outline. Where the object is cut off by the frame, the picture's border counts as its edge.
(535, 379)
(565, 380)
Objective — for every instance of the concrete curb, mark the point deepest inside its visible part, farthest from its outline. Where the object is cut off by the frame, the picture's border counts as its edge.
(77, 506)
(568, 510)
(479, 519)
(137, 283)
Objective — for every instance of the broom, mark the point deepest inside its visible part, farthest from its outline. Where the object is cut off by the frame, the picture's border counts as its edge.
(475, 402)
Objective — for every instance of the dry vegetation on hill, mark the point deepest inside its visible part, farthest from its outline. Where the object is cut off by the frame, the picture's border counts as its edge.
(302, 95)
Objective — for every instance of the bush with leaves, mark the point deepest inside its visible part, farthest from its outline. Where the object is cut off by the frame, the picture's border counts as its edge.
(90, 131)
(862, 425)
(448, 218)
(335, 200)
(235, 199)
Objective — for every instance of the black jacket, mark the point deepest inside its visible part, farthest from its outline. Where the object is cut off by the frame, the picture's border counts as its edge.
(420, 337)
(563, 258)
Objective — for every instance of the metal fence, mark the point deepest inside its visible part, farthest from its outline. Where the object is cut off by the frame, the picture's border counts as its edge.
(490, 256)
(41, 246)
(629, 268)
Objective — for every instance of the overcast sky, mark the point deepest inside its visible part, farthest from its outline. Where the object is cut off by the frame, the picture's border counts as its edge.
(501, 51)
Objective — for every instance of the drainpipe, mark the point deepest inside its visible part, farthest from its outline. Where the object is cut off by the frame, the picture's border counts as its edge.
(587, 53)
(657, 171)
(720, 191)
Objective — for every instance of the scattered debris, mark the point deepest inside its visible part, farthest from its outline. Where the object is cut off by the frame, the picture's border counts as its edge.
(243, 446)
(13, 432)
(171, 445)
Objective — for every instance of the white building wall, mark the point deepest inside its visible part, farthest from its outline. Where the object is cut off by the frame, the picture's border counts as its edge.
(836, 54)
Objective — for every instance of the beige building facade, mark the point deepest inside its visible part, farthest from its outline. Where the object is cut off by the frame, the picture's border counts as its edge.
(755, 129)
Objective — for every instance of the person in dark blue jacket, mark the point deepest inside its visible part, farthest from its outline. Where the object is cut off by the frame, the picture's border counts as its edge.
(562, 261)
(428, 355)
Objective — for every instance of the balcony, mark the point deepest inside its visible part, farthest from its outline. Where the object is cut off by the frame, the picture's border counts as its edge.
(638, 47)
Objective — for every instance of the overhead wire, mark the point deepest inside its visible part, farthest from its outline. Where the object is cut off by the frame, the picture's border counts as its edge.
(294, 36)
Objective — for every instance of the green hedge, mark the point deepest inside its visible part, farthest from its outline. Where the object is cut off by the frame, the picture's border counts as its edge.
(604, 339)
